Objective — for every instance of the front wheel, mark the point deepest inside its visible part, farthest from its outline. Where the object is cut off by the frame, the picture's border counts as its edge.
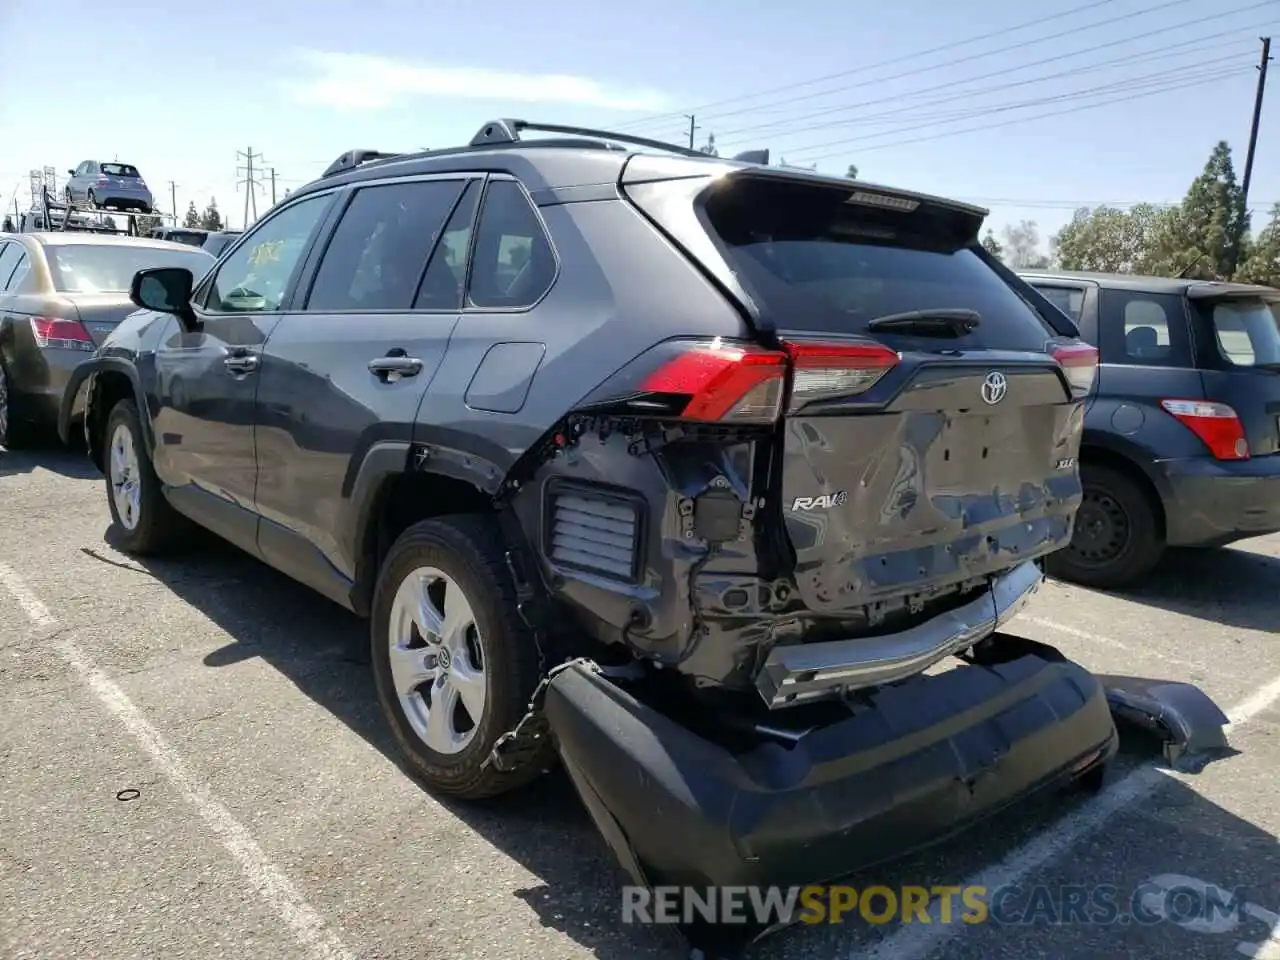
(454, 664)
(144, 519)
(1117, 538)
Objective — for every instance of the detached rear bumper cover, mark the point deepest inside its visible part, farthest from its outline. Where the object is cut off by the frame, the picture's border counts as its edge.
(932, 756)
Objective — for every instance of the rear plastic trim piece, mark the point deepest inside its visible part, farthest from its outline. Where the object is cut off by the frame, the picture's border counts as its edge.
(800, 673)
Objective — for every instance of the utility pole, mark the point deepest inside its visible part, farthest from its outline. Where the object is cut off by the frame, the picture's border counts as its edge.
(173, 201)
(693, 126)
(1253, 144)
(273, 186)
(250, 183)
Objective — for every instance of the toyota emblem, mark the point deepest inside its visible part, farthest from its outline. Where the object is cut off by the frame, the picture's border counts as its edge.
(994, 387)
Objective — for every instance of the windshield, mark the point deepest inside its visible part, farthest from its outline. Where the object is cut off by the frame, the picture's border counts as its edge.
(119, 170)
(109, 268)
(1248, 331)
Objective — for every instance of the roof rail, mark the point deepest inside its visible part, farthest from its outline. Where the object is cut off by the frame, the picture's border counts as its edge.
(502, 131)
(354, 158)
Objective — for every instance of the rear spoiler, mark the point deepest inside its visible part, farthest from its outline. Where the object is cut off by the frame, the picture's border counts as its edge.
(1212, 290)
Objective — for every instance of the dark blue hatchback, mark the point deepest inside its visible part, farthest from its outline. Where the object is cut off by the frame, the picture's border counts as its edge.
(1182, 433)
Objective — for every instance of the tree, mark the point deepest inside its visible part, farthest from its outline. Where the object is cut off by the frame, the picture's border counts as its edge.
(852, 172)
(144, 225)
(1263, 263)
(211, 219)
(1023, 245)
(1114, 241)
(993, 246)
(192, 218)
(1209, 231)
(709, 148)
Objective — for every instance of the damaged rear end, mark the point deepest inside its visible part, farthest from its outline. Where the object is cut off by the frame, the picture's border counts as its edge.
(772, 535)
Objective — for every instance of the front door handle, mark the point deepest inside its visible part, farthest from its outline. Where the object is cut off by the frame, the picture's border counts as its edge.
(385, 368)
(241, 363)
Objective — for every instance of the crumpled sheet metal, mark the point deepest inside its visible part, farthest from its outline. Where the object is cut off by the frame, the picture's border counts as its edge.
(1189, 723)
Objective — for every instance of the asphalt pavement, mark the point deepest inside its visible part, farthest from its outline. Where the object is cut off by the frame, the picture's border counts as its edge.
(192, 765)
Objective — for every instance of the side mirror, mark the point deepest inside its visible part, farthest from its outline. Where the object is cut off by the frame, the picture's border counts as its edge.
(167, 290)
(72, 172)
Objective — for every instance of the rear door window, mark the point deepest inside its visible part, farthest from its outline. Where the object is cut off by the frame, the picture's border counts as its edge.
(1143, 329)
(379, 250)
(817, 263)
(446, 275)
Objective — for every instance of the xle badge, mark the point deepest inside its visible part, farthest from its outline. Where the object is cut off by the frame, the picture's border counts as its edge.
(824, 502)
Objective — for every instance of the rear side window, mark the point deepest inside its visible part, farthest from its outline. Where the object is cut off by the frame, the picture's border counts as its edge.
(446, 274)
(817, 263)
(512, 263)
(1247, 331)
(1143, 329)
(1070, 300)
(378, 252)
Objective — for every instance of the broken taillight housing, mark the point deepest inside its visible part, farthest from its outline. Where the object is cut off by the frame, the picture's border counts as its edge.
(1079, 363)
(733, 383)
(746, 384)
(1216, 424)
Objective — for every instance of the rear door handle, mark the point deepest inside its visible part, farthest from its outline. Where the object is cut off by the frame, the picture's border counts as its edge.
(241, 363)
(386, 367)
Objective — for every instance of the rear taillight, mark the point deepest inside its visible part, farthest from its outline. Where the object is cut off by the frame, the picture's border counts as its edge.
(827, 370)
(717, 382)
(63, 334)
(1079, 362)
(1214, 423)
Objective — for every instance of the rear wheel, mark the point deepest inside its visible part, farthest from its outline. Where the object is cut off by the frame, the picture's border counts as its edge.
(1117, 533)
(454, 664)
(14, 433)
(144, 519)
(93, 200)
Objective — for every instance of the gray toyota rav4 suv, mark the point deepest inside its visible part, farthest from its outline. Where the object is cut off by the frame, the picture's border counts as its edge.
(682, 470)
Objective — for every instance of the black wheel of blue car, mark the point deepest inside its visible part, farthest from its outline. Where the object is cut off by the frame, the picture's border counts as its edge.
(1117, 532)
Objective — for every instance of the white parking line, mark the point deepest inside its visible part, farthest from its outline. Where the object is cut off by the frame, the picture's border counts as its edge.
(919, 940)
(262, 874)
(1102, 641)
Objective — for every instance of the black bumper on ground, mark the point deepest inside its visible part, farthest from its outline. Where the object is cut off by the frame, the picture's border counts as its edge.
(930, 757)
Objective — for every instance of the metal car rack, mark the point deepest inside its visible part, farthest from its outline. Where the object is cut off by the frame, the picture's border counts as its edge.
(506, 132)
(67, 211)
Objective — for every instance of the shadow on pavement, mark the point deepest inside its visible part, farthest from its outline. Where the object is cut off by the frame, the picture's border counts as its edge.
(323, 651)
(72, 462)
(1237, 588)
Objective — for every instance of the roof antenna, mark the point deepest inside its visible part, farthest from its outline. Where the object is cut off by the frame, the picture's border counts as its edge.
(1195, 262)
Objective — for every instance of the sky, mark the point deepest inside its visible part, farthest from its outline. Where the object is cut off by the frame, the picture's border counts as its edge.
(1116, 101)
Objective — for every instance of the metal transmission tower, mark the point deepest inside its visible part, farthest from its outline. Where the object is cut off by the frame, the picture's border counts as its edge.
(251, 167)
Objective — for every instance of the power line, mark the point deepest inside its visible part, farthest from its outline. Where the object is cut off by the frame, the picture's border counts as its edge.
(873, 66)
(1160, 80)
(951, 62)
(1198, 42)
(1006, 123)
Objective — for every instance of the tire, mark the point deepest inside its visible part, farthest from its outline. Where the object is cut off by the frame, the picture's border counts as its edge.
(1117, 538)
(66, 195)
(14, 433)
(461, 557)
(91, 199)
(149, 525)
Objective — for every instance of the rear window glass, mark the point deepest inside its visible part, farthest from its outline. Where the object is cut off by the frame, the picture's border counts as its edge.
(819, 264)
(109, 268)
(1070, 300)
(119, 170)
(1248, 331)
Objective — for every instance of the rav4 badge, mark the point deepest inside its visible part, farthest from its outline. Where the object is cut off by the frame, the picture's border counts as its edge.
(825, 502)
